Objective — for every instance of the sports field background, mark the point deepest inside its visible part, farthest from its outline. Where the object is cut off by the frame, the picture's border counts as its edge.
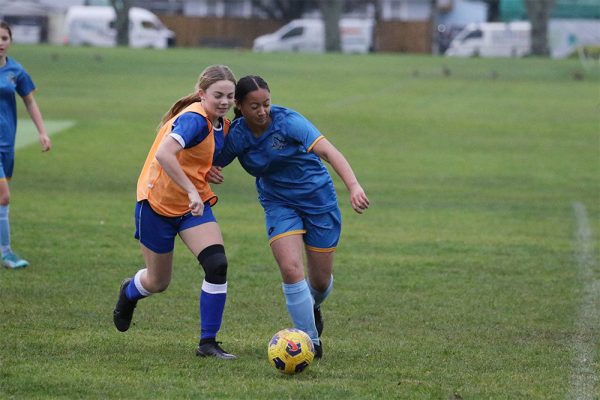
(474, 274)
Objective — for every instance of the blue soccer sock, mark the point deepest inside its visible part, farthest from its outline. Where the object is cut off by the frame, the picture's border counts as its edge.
(4, 230)
(135, 290)
(319, 297)
(300, 307)
(212, 305)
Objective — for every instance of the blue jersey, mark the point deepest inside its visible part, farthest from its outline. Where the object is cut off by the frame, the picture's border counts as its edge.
(13, 79)
(190, 128)
(286, 170)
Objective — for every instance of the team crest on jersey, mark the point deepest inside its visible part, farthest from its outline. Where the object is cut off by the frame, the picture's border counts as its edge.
(278, 143)
(12, 78)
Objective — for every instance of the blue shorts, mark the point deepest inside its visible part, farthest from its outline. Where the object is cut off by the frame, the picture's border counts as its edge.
(321, 231)
(7, 164)
(158, 232)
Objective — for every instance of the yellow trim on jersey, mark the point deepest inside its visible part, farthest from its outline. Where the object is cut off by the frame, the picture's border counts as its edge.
(290, 233)
(320, 250)
(315, 142)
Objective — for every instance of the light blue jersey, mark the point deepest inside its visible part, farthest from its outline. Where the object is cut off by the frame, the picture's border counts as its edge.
(13, 79)
(286, 170)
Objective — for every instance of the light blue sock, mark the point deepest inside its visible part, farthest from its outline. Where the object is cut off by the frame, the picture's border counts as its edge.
(4, 230)
(319, 297)
(212, 305)
(300, 307)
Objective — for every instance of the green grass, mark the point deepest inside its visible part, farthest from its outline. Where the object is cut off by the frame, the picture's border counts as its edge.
(461, 281)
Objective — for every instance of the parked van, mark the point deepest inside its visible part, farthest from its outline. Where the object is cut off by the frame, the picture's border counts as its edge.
(567, 36)
(308, 35)
(492, 39)
(95, 26)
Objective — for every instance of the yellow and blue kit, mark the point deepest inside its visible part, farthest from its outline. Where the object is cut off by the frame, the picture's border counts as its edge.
(294, 187)
(14, 80)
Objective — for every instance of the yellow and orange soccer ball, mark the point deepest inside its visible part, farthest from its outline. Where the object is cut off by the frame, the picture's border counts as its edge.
(291, 351)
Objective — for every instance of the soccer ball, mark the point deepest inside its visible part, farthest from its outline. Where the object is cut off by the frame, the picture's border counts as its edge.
(291, 351)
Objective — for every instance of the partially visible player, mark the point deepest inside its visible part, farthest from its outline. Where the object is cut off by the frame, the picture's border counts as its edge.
(13, 80)
(283, 150)
(174, 198)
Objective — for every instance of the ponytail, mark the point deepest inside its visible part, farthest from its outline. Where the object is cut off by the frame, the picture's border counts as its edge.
(178, 106)
(237, 113)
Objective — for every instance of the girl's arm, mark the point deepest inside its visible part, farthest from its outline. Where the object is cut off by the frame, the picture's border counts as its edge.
(227, 155)
(358, 199)
(166, 155)
(36, 117)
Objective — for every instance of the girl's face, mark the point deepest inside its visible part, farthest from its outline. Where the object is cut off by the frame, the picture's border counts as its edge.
(217, 99)
(4, 42)
(256, 108)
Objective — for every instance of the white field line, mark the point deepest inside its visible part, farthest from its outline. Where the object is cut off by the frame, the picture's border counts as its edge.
(587, 337)
(27, 132)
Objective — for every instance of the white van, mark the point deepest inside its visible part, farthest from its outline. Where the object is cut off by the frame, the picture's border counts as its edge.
(95, 26)
(492, 39)
(308, 35)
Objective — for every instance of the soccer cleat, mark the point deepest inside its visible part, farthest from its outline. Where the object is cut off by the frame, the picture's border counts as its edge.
(318, 319)
(13, 261)
(319, 350)
(123, 312)
(212, 349)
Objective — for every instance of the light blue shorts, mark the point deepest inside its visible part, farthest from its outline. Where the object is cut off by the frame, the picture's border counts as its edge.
(158, 232)
(321, 232)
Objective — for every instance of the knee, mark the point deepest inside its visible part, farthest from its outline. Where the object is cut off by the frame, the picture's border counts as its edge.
(291, 270)
(214, 262)
(320, 286)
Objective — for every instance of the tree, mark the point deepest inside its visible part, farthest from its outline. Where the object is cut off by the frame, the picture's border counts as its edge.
(284, 10)
(122, 22)
(538, 12)
(493, 13)
(331, 11)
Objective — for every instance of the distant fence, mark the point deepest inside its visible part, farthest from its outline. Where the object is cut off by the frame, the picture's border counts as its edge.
(390, 36)
(217, 32)
(404, 37)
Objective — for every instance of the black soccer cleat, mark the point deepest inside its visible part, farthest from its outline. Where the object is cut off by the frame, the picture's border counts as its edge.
(318, 319)
(319, 350)
(123, 312)
(212, 349)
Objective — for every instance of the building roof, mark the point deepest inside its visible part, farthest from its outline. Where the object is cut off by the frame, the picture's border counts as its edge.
(10, 7)
(511, 10)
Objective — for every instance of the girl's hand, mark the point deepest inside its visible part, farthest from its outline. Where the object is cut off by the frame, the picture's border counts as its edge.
(358, 199)
(214, 175)
(196, 205)
(45, 142)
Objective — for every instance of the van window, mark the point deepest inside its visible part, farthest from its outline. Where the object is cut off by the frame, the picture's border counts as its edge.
(113, 24)
(476, 34)
(149, 25)
(297, 31)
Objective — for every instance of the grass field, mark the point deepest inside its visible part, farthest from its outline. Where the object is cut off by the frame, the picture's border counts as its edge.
(474, 274)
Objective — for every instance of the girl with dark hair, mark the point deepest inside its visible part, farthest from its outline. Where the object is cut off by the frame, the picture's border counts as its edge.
(174, 198)
(283, 150)
(13, 79)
